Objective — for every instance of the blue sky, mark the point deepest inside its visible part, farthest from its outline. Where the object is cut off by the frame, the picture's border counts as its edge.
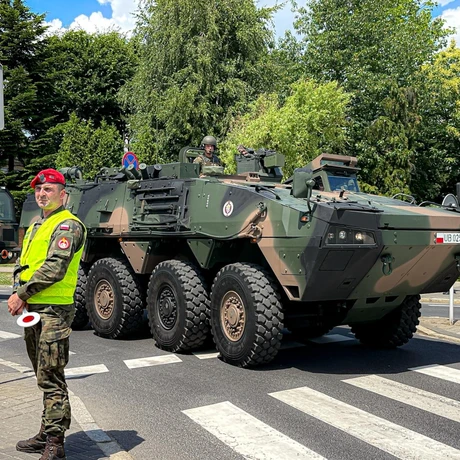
(97, 15)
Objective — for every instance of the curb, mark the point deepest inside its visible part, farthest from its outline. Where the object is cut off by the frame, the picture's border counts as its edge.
(439, 300)
(430, 333)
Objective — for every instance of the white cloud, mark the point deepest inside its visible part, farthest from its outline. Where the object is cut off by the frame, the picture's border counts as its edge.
(122, 18)
(452, 18)
(439, 2)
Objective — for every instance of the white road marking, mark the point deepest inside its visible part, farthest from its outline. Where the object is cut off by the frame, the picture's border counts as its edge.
(206, 354)
(111, 448)
(387, 436)
(85, 370)
(15, 366)
(332, 338)
(429, 402)
(8, 335)
(152, 361)
(247, 435)
(441, 372)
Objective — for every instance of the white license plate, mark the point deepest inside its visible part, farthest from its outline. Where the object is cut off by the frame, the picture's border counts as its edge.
(448, 238)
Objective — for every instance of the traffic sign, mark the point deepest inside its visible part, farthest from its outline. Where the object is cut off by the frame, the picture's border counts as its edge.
(129, 158)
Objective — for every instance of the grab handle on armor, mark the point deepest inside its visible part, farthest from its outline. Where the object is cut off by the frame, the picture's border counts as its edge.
(387, 261)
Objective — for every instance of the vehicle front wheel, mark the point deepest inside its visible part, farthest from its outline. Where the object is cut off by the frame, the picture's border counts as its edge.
(395, 329)
(246, 315)
(115, 300)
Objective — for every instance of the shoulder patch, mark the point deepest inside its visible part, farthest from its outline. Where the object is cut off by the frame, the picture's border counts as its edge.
(63, 243)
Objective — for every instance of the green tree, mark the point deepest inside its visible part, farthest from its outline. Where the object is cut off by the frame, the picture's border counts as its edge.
(200, 64)
(374, 48)
(22, 52)
(88, 70)
(310, 121)
(437, 159)
(89, 147)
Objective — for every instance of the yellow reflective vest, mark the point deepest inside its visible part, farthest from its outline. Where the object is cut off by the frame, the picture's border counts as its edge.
(33, 255)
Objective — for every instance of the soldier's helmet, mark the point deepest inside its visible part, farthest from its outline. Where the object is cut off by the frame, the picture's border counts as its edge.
(209, 140)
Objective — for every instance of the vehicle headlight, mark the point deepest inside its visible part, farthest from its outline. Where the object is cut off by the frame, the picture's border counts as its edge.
(342, 235)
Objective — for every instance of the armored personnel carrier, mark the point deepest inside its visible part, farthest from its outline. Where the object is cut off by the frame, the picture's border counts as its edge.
(9, 249)
(244, 256)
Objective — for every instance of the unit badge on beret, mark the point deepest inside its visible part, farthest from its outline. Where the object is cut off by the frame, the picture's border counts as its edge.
(63, 243)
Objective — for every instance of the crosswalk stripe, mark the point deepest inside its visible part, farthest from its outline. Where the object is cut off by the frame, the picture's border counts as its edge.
(16, 366)
(85, 370)
(152, 361)
(440, 372)
(429, 402)
(247, 435)
(206, 354)
(387, 436)
(330, 338)
(8, 335)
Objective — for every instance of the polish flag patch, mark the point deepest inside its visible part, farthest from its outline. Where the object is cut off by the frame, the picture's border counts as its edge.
(64, 227)
(63, 243)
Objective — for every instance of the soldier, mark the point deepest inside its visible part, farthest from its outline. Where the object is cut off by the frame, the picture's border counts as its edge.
(209, 143)
(47, 268)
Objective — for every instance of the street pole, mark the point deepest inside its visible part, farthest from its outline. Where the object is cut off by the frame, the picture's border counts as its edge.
(2, 115)
(451, 305)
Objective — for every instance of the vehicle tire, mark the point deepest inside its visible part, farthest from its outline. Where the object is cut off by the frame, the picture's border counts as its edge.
(178, 306)
(115, 300)
(246, 315)
(393, 330)
(81, 314)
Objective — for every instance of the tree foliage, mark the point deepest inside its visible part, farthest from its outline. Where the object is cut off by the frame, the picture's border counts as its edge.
(199, 67)
(89, 147)
(88, 70)
(437, 159)
(22, 54)
(374, 48)
(309, 122)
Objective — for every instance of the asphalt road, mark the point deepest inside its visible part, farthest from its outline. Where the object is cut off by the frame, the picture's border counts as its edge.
(307, 401)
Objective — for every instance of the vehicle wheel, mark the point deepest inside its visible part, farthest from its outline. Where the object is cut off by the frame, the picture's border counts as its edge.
(114, 298)
(178, 306)
(393, 330)
(81, 314)
(246, 315)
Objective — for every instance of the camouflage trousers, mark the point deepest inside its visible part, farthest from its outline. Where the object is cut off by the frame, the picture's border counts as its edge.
(47, 345)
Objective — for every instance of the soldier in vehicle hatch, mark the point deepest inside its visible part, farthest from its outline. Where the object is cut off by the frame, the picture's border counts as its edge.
(209, 143)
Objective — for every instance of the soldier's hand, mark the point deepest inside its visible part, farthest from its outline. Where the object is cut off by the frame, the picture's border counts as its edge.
(15, 305)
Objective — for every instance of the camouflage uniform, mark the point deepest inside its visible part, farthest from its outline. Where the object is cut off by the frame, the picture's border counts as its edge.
(206, 161)
(48, 341)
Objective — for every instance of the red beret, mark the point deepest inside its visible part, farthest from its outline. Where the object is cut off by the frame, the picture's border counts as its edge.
(50, 176)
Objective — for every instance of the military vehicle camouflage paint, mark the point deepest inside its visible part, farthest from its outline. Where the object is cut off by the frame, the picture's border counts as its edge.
(9, 249)
(244, 256)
